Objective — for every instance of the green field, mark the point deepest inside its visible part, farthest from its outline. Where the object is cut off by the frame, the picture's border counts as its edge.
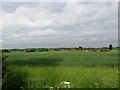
(82, 69)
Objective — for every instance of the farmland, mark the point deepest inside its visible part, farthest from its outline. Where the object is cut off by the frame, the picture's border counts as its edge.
(82, 69)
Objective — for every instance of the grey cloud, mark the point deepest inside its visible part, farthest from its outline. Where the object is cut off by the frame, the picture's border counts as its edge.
(65, 25)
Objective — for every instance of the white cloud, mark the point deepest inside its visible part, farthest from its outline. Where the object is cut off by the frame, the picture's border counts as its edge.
(28, 18)
(48, 32)
(75, 23)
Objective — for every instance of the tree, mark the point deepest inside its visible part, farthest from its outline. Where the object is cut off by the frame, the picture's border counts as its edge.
(80, 47)
(5, 51)
(110, 47)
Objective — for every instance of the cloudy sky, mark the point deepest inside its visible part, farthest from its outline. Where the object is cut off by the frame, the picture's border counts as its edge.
(60, 24)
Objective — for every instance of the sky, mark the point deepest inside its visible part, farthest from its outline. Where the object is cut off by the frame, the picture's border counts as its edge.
(59, 24)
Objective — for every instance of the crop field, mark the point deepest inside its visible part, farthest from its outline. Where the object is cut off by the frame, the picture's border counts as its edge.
(63, 69)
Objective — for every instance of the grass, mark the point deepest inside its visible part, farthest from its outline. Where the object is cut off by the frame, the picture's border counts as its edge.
(79, 77)
(64, 58)
(82, 69)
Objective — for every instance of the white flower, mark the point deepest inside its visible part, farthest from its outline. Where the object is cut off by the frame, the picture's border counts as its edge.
(67, 83)
(68, 86)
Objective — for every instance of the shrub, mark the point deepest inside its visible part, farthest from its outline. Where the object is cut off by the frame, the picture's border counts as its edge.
(30, 50)
(110, 47)
(5, 51)
(12, 77)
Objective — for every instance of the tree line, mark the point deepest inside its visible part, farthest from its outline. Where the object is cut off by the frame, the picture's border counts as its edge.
(109, 48)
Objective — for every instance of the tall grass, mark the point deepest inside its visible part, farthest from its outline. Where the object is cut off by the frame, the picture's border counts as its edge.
(79, 77)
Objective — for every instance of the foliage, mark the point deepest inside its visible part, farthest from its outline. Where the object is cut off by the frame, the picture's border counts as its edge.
(42, 49)
(14, 78)
(4, 65)
(11, 77)
(110, 47)
(80, 47)
(30, 50)
(5, 51)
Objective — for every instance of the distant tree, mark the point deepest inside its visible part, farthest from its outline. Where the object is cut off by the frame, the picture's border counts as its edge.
(30, 50)
(110, 47)
(5, 51)
(80, 47)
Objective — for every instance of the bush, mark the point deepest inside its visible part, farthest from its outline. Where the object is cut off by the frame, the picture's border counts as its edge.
(42, 49)
(110, 47)
(5, 51)
(12, 77)
(30, 50)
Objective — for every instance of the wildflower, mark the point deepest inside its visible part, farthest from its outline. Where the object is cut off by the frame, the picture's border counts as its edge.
(51, 88)
(21, 87)
(103, 79)
(96, 84)
(90, 86)
(118, 72)
(68, 86)
(67, 83)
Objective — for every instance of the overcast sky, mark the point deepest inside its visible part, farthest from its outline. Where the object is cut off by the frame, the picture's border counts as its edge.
(60, 24)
